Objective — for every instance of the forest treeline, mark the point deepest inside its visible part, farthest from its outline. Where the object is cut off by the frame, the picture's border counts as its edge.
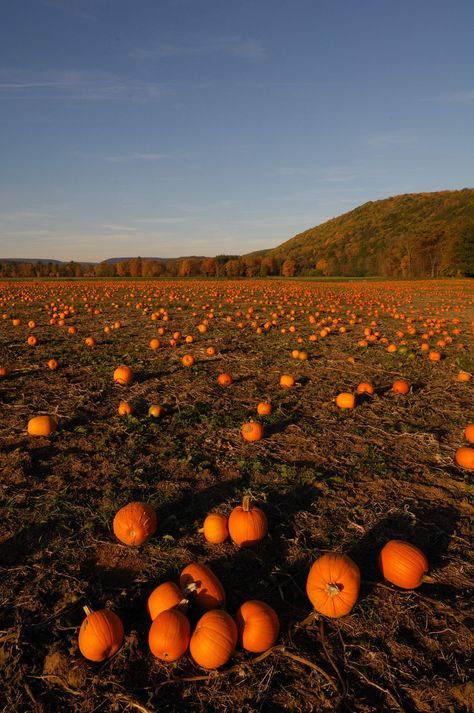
(412, 235)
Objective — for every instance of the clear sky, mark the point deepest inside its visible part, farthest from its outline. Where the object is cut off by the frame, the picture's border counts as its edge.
(177, 127)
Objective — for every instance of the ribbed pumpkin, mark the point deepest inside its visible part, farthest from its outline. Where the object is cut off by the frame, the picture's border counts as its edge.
(464, 457)
(252, 431)
(123, 375)
(215, 528)
(209, 592)
(135, 523)
(125, 408)
(264, 408)
(42, 425)
(365, 387)
(333, 584)
(247, 525)
(224, 379)
(213, 639)
(287, 381)
(345, 400)
(469, 433)
(403, 564)
(187, 360)
(169, 635)
(165, 596)
(100, 635)
(401, 386)
(258, 626)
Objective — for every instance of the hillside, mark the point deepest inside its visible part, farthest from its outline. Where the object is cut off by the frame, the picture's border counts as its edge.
(412, 235)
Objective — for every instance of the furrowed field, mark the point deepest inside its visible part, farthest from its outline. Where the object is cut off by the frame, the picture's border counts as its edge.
(329, 480)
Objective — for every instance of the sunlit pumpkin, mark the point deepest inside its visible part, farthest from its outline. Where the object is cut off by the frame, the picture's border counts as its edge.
(224, 379)
(401, 386)
(155, 410)
(464, 457)
(135, 523)
(42, 425)
(403, 564)
(257, 625)
(264, 408)
(215, 528)
(365, 387)
(333, 584)
(214, 639)
(101, 634)
(53, 364)
(345, 400)
(187, 360)
(252, 431)
(469, 433)
(247, 524)
(165, 596)
(125, 408)
(169, 635)
(287, 381)
(123, 375)
(209, 592)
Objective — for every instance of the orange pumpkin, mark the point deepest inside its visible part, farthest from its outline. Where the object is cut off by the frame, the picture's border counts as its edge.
(155, 410)
(465, 457)
(213, 639)
(365, 387)
(287, 381)
(264, 408)
(224, 379)
(403, 564)
(252, 431)
(187, 360)
(211, 351)
(215, 528)
(401, 386)
(209, 592)
(155, 344)
(333, 584)
(258, 626)
(52, 364)
(247, 525)
(165, 596)
(169, 635)
(101, 634)
(469, 433)
(42, 426)
(32, 341)
(135, 523)
(464, 376)
(434, 356)
(125, 408)
(90, 341)
(345, 400)
(123, 375)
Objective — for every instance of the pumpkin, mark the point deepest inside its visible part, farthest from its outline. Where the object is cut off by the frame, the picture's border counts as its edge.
(52, 364)
(403, 564)
(264, 408)
(4, 371)
(42, 425)
(187, 360)
(209, 592)
(155, 410)
(90, 341)
(32, 341)
(345, 400)
(365, 387)
(215, 528)
(101, 634)
(211, 351)
(287, 381)
(257, 625)
(224, 379)
(401, 386)
(135, 523)
(247, 525)
(213, 639)
(464, 457)
(333, 584)
(434, 356)
(464, 376)
(252, 431)
(123, 375)
(469, 433)
(169, 635)
(165, 596)
(125, 408)
(155, 344)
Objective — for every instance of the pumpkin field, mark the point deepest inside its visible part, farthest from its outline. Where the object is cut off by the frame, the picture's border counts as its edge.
(327, 429)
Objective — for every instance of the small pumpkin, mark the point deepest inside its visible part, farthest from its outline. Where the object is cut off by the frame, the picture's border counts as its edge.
(345, 400)
(125, 408)
(135, 523)
(287, 381)
(213, 639)
(155, 343)
(215, 528)
(4, 371)
(403, 564)
(365, 387)
(53, 364)
(208, 592)
(169, 635)
(101, 634)
(252, 431)
(257, 625)
(224, 379)
(264, 408)
(401, 386)
(333, 584)
(155, 410)
(123, 375)
(90, 341)
(464, 376)
(464, 457)
(469, 433)
(247, 524)
(42, 426)
(187, 360)
(165, 596)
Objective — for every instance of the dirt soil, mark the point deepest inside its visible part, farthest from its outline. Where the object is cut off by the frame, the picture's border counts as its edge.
(328, 480)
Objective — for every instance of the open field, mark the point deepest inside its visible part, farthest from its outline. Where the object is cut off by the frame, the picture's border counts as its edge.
(328, 480)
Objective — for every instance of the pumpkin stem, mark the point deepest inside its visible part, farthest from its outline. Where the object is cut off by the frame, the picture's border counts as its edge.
(246, 503)
(87, 610)
(426, 579)
(332, 589)
(188, 589)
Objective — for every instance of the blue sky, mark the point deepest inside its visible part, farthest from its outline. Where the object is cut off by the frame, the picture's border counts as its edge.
(178, 127)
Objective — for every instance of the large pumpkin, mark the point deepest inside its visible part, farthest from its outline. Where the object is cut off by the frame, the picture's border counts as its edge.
(258, 626)
(42, 425)
(247, 524)
(135, 523)
(169, 635)
(208, 592)
(100, 635)
(252, 431)
(215, 528)
(213, 639)
(165, 596)
(333, 584)
(403, 564)
(123, 375)
(464, 457)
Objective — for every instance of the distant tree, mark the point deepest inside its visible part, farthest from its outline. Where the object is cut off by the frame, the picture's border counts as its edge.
(322, 266)
(288, 268)
(208, 267)
(171, 268)
(122, 268)
(136, 267)
(267, 266)
(234, 268)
